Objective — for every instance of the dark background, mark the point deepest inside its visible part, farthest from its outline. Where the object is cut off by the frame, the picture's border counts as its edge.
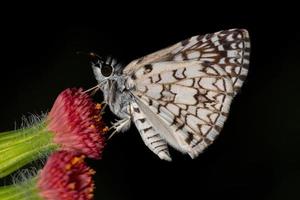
(255, 157)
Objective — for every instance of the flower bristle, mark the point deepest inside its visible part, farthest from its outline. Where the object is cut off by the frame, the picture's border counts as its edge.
(65, 177)
(77, 124)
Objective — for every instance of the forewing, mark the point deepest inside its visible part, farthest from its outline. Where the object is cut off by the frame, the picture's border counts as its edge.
(229, 49)
(191, 99)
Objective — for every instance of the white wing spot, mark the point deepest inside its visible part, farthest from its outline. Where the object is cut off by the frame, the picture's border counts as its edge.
(186, 82)
(246, 61)
(178, 57)
(195, 54)
(211, 71)
(204, 129)
(214, 38)
(154, 91)
(209, 50)
(230, 37)
(222, 61)
(228, 69)
(241, 45)
(213, 116)
(208, 59)
(232, 53)
(220, 85)
(192, 110)
(233, 45)
(184, 95)
(174, 109)
(167, 77)
(207, 55)
(221, 48)
(247, 44)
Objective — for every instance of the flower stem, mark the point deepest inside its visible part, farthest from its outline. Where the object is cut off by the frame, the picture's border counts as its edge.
(20, 191)
(20, 147)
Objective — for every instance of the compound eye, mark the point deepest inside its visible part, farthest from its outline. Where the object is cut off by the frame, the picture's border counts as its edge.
(106, 70)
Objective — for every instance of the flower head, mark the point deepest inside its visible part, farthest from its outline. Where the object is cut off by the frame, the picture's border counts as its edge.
(76, 122)
(66, 176)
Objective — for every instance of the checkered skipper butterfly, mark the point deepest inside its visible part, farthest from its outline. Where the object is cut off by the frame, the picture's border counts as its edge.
(181, 95)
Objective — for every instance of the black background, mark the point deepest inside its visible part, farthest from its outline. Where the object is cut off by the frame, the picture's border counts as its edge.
(255, 157)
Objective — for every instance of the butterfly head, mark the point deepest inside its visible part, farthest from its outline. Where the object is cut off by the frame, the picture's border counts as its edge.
(105, 69)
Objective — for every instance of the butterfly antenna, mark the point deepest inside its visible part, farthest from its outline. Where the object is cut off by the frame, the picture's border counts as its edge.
(95, 55)
(90, 54)
(110, 59)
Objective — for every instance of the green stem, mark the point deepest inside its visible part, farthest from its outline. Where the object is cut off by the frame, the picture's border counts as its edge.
(20, 147)
(11, 138)
(20, 191)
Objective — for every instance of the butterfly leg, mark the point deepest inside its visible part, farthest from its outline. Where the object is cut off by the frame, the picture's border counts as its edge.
(120, 126)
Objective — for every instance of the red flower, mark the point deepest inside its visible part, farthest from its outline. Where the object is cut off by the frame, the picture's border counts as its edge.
(66, 177)
(77, 125)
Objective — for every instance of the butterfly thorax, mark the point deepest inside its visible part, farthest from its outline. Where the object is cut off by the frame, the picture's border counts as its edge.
(117, 95)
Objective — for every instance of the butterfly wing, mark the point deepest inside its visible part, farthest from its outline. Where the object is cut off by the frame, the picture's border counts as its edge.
(185, 91)
(230, 49)
(188, 102)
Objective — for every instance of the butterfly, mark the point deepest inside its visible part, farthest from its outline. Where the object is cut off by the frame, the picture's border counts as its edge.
(179, 96)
